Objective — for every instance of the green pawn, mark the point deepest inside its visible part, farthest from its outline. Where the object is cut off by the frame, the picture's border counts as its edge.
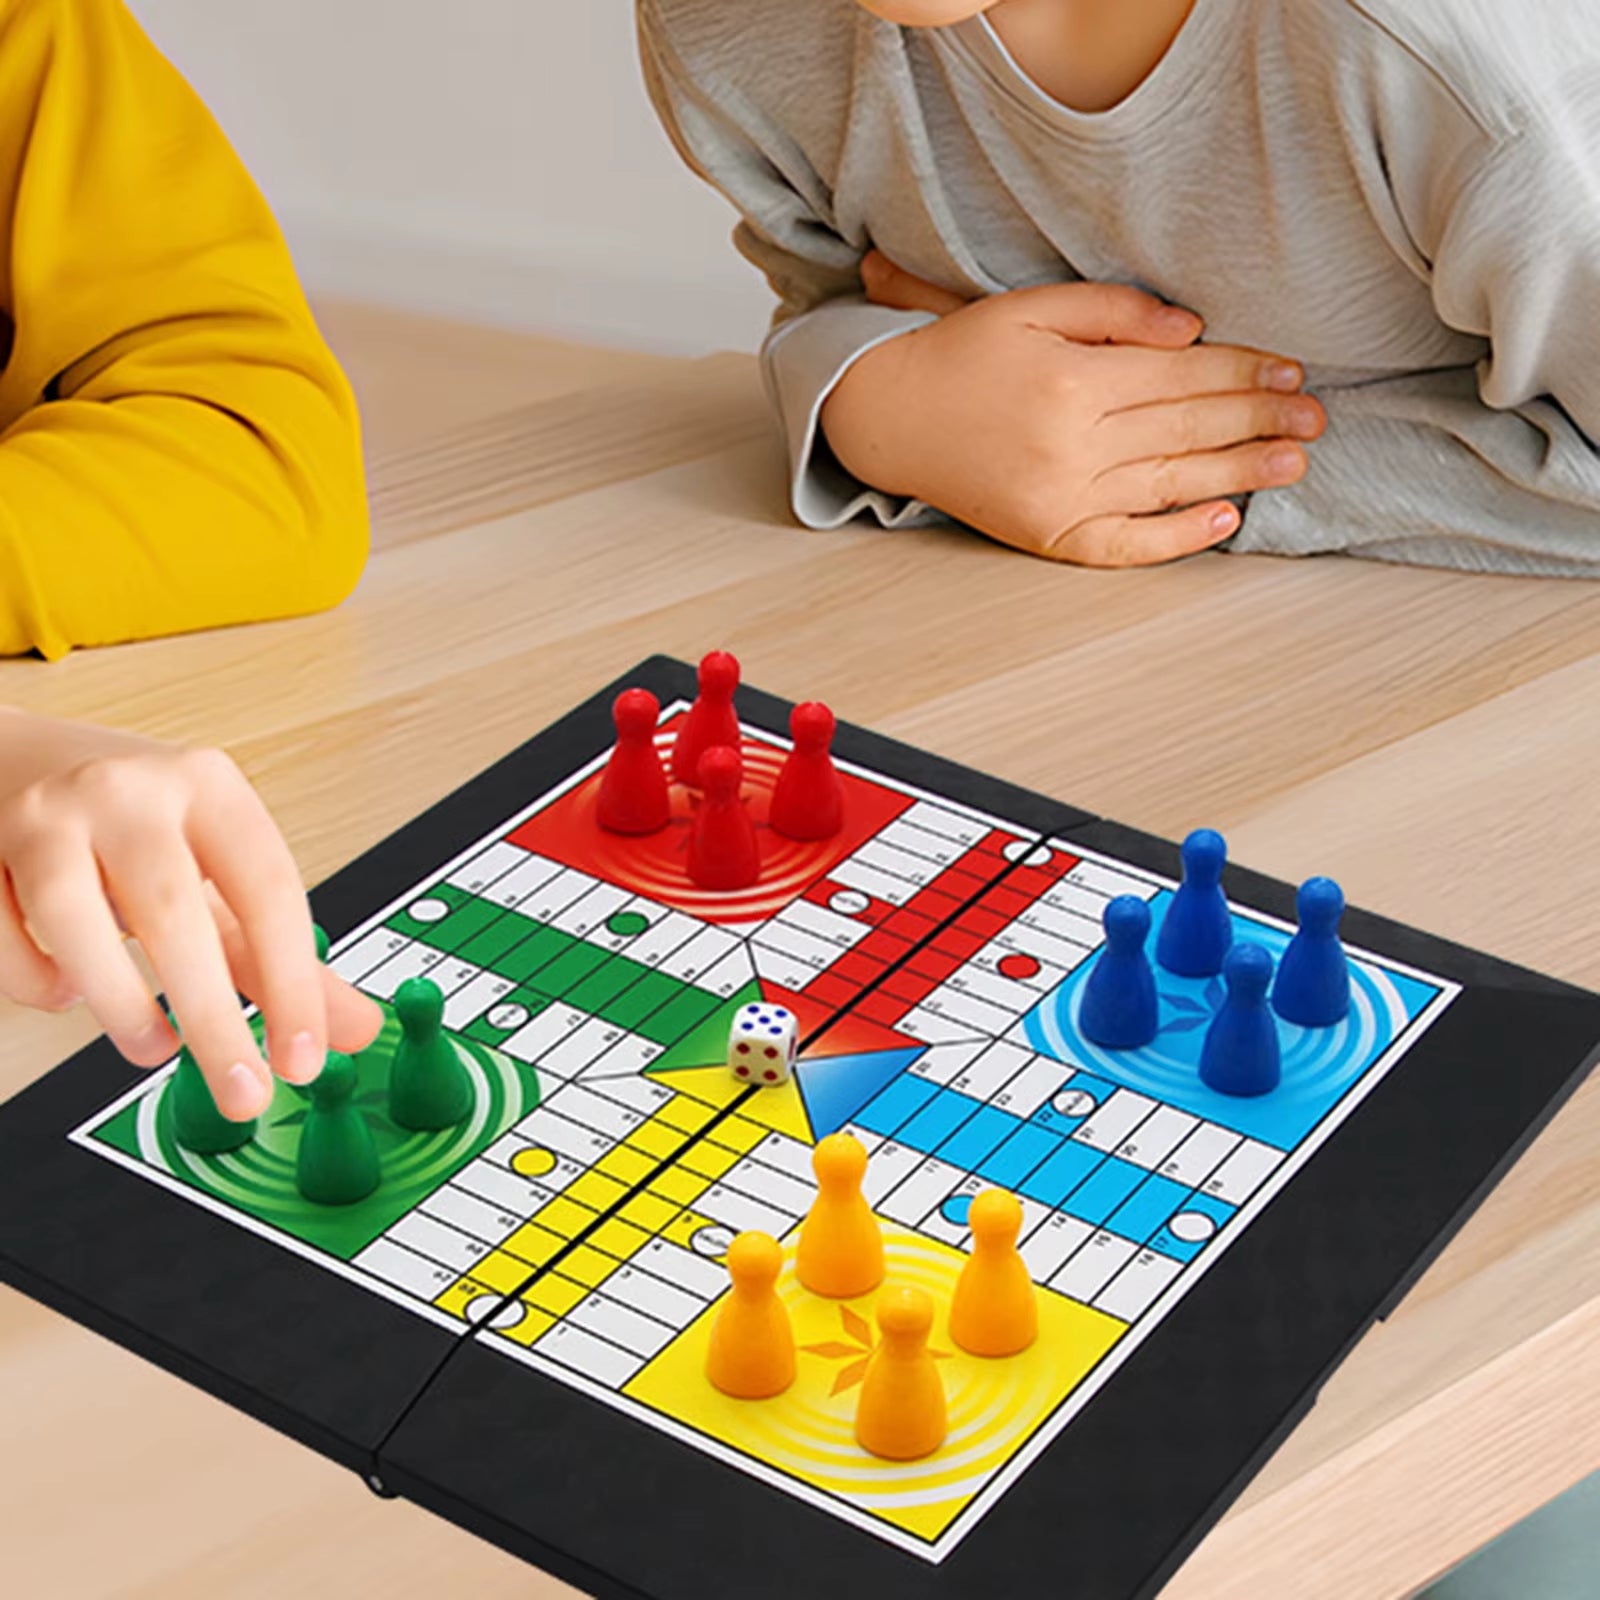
(338, 1162)
(429, 1089)
(196, 1122)
(320, 934)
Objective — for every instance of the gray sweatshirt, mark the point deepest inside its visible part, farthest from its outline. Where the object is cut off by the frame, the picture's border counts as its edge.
(1402, 194)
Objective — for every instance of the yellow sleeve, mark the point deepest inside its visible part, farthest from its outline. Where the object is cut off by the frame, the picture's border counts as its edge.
(178, 447)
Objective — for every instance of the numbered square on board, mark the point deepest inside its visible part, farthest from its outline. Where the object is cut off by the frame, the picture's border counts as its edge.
(763, 1043)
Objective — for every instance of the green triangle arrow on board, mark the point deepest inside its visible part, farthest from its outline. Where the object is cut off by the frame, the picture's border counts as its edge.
(707, 1044)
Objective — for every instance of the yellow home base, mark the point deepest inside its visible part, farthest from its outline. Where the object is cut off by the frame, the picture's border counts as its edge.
(809, 1431)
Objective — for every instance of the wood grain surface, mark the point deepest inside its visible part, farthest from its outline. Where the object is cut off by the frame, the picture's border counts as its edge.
(544, 517)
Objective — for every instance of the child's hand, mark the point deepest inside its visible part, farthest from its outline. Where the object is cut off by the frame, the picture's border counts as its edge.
(1077, 421)
(102, 832)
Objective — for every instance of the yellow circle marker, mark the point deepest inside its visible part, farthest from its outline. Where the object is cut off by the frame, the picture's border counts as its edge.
(534, 1162)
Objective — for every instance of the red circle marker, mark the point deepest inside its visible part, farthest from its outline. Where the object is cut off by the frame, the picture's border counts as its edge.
(1019, 967)
(771, 1077)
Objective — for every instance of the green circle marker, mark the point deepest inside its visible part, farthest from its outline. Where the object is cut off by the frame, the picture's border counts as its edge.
(627, 924)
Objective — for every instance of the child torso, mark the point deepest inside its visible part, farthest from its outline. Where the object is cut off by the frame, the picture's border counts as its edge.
(1242, 176)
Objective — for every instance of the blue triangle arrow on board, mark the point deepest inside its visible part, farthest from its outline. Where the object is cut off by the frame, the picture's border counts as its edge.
(835, 1088)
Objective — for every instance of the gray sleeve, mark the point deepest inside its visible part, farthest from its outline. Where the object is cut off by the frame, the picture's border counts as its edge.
(823, 323)
(1498, 469)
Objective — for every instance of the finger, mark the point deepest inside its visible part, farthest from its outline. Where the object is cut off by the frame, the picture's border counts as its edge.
(238, 847)
(1214, 422)
(158, 886)
(1119, 541)
(27, 975)
(1149, 377)
(354, 1019)
(1146, 486)
(62, 899)
(1108, 313)
(892, 286)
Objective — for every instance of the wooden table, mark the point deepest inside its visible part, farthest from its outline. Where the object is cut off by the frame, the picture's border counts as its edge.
(545, 517)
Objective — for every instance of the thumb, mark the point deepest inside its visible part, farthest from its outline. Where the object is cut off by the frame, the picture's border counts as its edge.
(1107, 313)
(894, 287)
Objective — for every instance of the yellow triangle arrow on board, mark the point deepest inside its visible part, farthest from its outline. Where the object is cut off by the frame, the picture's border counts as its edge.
(779, 1108)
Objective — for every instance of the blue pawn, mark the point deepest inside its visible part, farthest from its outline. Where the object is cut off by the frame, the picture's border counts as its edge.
(1240, 1056)
(1197, 930)
(1119, 1009)
(1312, 988)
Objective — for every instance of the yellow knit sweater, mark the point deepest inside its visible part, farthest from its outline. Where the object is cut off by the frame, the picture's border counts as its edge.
(178, 448)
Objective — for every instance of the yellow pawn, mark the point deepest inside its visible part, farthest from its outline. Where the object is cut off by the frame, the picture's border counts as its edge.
(841, 1246)
(995, 1311)
(751, 1355)
(901, 1414)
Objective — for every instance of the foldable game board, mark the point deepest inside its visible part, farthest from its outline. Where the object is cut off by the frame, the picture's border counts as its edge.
(512, 1330)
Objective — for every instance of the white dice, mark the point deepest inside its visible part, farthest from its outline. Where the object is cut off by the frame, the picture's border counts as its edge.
(762, 1044)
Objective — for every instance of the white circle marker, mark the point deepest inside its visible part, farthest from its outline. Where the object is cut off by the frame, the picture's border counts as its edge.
(713, 1241)
(507, 1016)
(1192, 1227)
(849, 902)
(429, 911)
(1073, 1103)
(507, 1316)
(1024, 854)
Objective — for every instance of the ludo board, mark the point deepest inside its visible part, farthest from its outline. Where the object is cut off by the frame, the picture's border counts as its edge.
(512, 1330)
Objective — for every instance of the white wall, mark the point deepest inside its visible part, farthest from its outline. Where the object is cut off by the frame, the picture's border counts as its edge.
(495, 159)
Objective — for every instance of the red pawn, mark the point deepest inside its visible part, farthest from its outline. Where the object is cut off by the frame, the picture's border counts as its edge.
(633, 791)
(808, 802)
(722, 848)
(711, 720)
